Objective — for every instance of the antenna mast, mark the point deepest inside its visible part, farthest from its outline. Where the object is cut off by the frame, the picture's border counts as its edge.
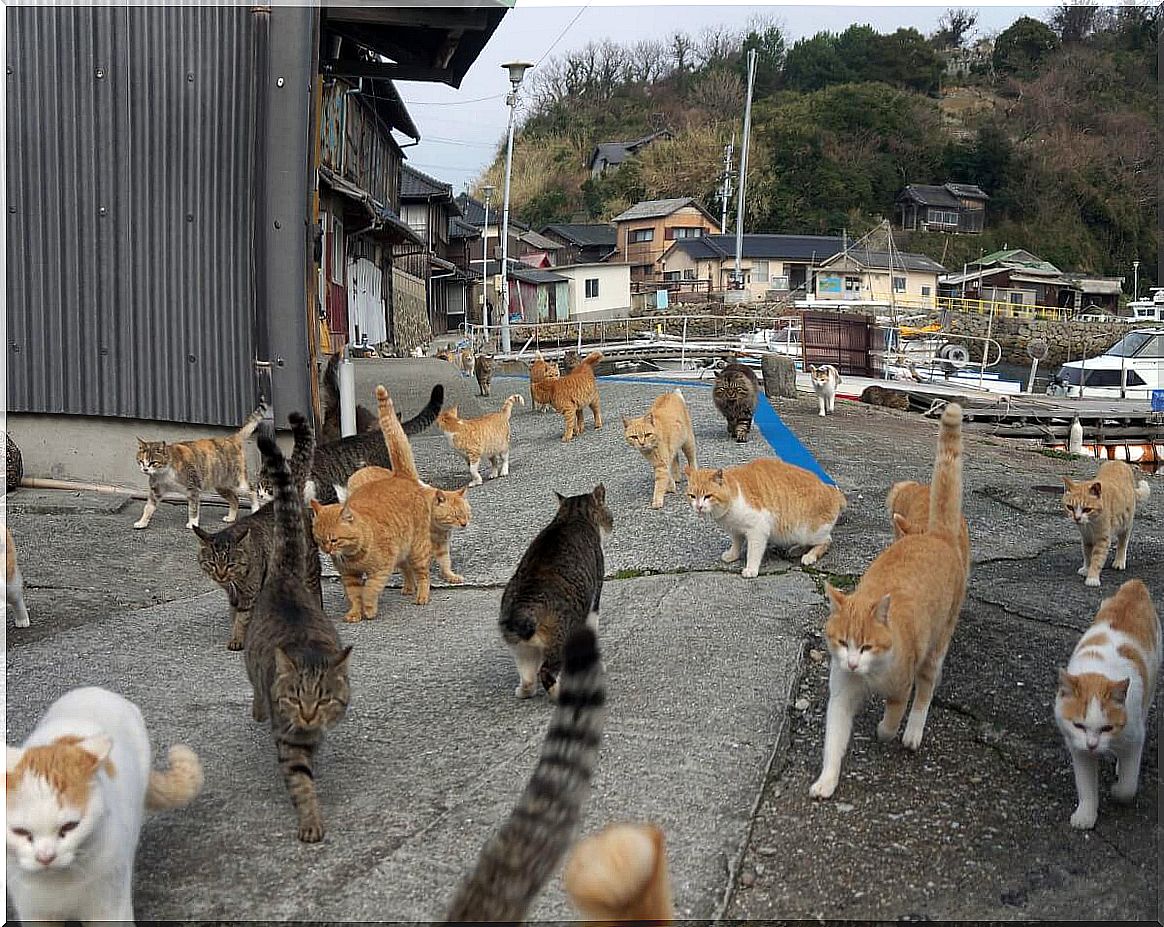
(727, 181)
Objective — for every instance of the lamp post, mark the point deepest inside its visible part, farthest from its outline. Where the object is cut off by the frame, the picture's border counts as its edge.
(516, 71)
(485, 262)
(1136, 280)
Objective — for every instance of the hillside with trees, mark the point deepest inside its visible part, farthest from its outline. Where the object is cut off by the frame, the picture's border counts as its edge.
(1056, 121)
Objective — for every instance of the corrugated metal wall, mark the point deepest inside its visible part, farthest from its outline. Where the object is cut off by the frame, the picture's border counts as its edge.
(130, 181)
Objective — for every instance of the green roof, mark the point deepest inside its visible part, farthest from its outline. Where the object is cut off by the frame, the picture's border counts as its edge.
(1011, 257)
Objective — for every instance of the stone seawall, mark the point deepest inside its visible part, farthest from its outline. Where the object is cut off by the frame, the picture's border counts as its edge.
(1065, 340)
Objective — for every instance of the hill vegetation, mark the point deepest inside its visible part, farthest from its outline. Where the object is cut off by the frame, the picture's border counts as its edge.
(1055, 121)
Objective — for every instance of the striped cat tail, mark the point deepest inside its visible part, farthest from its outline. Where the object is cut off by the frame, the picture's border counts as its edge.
(507, 406)
(303, 453)
(289, 550)
(399, 450)
(946, 484)
(428, 414)
(516, 862)
(591, 359)
(178, 785)
(252, 422)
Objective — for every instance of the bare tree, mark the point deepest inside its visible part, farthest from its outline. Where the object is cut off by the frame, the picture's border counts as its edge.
(682, 49)
(954, 28)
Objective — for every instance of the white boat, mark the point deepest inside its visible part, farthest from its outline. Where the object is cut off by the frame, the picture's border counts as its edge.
(1148, 309)
(1139, 355)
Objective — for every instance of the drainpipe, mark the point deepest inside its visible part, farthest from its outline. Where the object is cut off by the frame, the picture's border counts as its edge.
(261, 16)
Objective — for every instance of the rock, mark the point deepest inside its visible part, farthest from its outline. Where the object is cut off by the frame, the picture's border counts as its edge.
(747, 878)
(779, 376)
(844, 807)
(817, 656)
(801, 704)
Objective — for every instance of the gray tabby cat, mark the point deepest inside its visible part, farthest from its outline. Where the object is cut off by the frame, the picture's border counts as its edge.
(329, 429)
(736, 392)
(237, 556)
(890, 398)
(297, 669)
(516, 862)
(556, 589)
(483, 371)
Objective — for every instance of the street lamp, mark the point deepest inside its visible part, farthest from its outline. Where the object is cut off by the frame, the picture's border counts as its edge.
(516, 71)
(485, 261)
(1136, 279)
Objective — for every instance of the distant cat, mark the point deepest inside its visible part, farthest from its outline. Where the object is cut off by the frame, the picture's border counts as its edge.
(237, 556)
(572, 393)
(518, 859)
(539, 390)
(1105, 694)
(891, 635)
(908, 505)
(767, 501)
(659, 436)
(334, 462)
(483, 438)
(735, 394)
(620, 874)
(556, 588)
(76, 794)
(296, 666)
(13, 581)
(824, 383)
(466, 362)
(1103, 509)
(329, 429)
(191, 466)
(890, 398)
(483, 370)
(570, 360)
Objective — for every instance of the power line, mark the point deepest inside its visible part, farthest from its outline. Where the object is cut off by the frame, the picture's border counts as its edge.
(562, 33)
(496, 96)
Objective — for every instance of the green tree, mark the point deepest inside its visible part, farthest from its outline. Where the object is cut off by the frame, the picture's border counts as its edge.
(1022, 47)
(768, 41)
(815, 63)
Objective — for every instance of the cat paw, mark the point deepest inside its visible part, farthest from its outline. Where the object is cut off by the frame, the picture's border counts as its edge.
(1124, 791)
(310, 832)
(750, 572)
(141, 524)
(821, 414)
(912, 738)
(656, 503)
(823, 787)
(192, 524)
(422, 599)
(230, 519)
(731, 555)
(523, 692)
(885, 734)
(454, 578)
(352, 617)
(1120, 565)
(233, 644)
(1091, 581)
(1083, 818)
(809, 559)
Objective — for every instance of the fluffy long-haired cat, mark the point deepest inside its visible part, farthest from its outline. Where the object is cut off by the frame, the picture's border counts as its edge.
(483, 438)
(767, 501)
(192, 466)
(14, 581)
(483, 371)
(660, 436)
(889, 398)
(555, 589)
(236, 558)
(620, 874)
(329, 395)
(735, 394)
(890, 636)
(518, 859)
(1105, 694)
(295, 662)
(76, 794)
(825, 380)
(572, 393)
(908, 506)
(1103, 510)
(540, 371)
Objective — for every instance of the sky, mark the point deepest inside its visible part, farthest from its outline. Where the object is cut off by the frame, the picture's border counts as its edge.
(461, 130)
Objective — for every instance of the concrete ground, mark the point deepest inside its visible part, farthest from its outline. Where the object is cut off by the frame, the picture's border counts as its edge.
(717, 693)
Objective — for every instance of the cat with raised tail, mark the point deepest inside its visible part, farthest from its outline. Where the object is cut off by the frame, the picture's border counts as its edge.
(1103, 510)
(76, 795)
(1105, 694)
(660, 436)
(540, 371)
(890, 636)
(571, 394)
(483, 438)
(825, 380)
(620, 874)
(518, 859)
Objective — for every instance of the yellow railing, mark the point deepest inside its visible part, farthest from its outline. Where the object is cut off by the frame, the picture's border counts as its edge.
(1004, 310)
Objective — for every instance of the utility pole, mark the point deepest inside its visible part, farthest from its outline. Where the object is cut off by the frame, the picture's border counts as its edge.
(728, 151)
(744, 167)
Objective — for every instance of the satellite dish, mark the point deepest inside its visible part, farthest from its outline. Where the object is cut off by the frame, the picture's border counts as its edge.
(1037, 349)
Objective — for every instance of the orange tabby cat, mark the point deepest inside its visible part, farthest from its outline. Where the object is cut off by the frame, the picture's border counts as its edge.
(620, 874)
(1103, 509)
(572, 393)
(767, 500)
(659, 436)
(477, 438)
(540, 371)
(908, 504)
(891, 634)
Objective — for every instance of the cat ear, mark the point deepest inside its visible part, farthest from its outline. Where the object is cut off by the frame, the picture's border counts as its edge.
(599, 494)
(561, 498)
(341, 661)
(902, 525)
(284, 665)
(625, 421)
(203, 536)
(142, 441)
(688, 471)
(12, 757)
(439, 497)
(243, 532)
(1118, 691)
(1094, 488)
(1068, 484)
(315, 506)
(650, 418)
(812, 368)
(717, 477)
(836, 597)
(98, 746)
(1066, 682)
(346, 515)
(881, 610)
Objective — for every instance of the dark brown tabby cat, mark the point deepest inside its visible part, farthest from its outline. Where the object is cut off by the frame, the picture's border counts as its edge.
(237, 556)
(329, 429)
(294, 661)
(890, 398)
(483, 371)
(516, 861)
(570, 360)
(736, 392)
(556, 588)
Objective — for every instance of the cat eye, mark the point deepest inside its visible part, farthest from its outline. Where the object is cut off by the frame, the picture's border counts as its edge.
(1106, 729)
(68, 827)
(866, 647)
(1080, 726)
(21, 832)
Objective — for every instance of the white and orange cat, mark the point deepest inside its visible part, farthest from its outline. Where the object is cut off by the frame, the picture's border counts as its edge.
(767, 500)
(1103, 510)
(660, 436)
(76, 794)
(14, 581)
(890, 636)
(484, 437)
(825, 381)
(1105, 693)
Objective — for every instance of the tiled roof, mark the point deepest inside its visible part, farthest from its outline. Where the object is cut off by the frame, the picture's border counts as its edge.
(791, 247)
(929, 195)
(535, 275)
(883, 260)
(417, 184)
(474, 212)
(652, 209)
(595, 235)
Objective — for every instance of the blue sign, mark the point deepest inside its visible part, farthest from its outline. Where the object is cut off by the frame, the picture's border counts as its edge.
(661, 299)
(828, 283)
(1158, 400)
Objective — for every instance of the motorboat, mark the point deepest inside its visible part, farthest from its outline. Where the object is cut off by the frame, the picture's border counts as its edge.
(1148, 309)
(1138, 356)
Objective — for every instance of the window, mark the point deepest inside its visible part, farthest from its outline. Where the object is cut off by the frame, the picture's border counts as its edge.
(899, 284)
(689, 273)
(337, 251)
(926, 290)
(642, 235)
(943, 216)
(592, 288)
(684, 232)
(760, 271)
(669, 275)
(1016, 299)
(852, 284)
(778, 283)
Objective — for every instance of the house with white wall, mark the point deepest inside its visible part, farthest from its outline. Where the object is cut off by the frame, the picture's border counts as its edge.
(598, 290)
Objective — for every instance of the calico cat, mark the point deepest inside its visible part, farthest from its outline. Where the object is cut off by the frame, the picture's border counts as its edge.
(329, 429)
(825, 380)
(518, 859)
(335, 461)
(483, 371)
(539, 390)
(295, 663)
(767, 500)
(14, 581)
(889, 398)
(556, 588)
(735, 394)
(908, 505)
(484, 437)
(571, 393)
(660, 435)
(620, 874)
(1103, 509)
(890, 636)
(191, 466)
(237, 556)
(465, 362)
(1105, 694)
(76, 794)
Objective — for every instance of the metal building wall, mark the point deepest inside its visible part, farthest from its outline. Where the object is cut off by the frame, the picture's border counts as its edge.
(131, 179)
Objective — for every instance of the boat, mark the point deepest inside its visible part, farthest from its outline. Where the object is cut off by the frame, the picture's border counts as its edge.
(1139, 355)
(1148, 309)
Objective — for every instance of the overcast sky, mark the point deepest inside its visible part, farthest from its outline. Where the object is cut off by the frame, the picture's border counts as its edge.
(460, 131)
